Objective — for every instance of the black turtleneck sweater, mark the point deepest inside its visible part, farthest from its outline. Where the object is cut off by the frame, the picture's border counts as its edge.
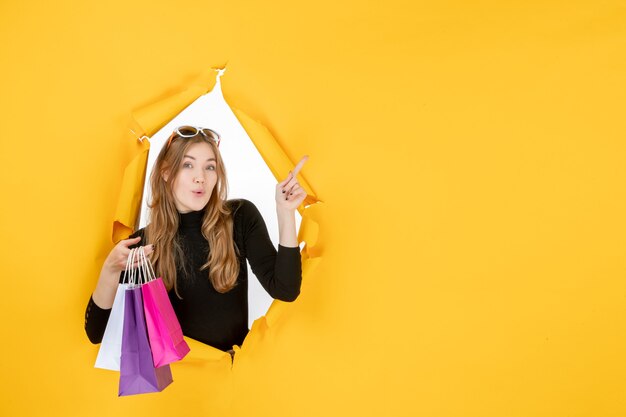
(213, 318)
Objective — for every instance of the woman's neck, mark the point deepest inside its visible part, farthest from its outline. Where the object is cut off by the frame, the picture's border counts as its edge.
(191, 220)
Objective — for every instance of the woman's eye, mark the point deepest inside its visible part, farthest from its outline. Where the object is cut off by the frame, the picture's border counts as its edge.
(187, 165)
(210, 168)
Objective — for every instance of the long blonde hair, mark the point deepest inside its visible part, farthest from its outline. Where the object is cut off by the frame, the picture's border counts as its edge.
(217, 223)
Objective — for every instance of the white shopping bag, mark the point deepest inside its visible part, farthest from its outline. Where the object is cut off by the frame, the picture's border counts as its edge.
(111, 347)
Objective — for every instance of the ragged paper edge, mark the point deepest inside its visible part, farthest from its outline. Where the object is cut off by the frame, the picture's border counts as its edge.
(274, 156)
(280, 164)
(131, 191)
(147, 121)
(310, 210)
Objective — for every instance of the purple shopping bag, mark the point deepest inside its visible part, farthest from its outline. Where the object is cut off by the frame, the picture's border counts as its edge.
(166, 336)
(137, 372)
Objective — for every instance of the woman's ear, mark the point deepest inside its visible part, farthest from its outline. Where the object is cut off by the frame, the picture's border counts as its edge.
(165, 175)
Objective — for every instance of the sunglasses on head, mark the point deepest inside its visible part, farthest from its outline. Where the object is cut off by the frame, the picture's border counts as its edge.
(191, 131)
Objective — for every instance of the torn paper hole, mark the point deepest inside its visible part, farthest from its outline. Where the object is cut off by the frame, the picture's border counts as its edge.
(248, 175)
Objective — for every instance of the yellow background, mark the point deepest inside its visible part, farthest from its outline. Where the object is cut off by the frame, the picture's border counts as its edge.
(470, 156)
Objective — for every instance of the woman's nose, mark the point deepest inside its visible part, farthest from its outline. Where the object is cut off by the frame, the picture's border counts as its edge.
(199, 180)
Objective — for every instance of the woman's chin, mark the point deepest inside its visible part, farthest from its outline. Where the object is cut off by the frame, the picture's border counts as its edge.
(197, 206)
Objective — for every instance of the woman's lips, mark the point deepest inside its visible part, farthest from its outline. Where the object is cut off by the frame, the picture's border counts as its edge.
(198, 193)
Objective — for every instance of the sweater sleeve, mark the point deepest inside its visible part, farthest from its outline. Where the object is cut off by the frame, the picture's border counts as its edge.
(279, 272)
(96, 318)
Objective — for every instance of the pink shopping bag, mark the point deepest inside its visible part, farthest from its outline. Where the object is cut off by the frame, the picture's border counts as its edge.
(166, 336)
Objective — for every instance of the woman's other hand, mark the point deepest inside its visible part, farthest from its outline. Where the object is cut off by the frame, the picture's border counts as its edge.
(289, 194)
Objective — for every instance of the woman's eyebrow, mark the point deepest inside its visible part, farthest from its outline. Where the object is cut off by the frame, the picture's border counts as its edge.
(191, 157)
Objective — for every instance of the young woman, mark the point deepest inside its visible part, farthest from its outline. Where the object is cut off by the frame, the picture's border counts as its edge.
(198, 243)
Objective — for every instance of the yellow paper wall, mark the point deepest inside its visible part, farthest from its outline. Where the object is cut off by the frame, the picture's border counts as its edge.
(470, 159)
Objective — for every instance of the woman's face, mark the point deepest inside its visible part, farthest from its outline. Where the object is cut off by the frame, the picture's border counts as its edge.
(196, 178)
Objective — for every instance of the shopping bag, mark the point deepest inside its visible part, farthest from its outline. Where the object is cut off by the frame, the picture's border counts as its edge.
(164, 332)
(111, 346)
(166, 336)
(137, 372)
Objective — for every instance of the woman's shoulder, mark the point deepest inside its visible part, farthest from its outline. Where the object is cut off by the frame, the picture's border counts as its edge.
(141, 233)
(244, 212)
(242, 207)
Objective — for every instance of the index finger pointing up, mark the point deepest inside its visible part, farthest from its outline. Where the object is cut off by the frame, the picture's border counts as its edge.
(300, 165)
